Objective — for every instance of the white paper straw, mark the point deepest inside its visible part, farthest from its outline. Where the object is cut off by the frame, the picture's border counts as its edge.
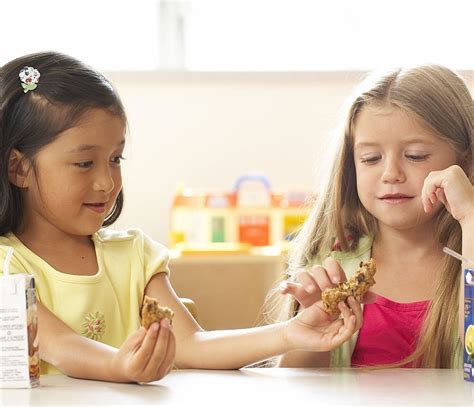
(456, 255)
(6, 262)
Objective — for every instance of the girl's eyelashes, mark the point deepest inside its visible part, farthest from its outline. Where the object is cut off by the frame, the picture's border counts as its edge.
(117, 159)
(370, 159)
(84, 164)
(417, 157)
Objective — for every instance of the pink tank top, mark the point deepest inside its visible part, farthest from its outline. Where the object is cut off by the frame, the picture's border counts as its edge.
(389, 332)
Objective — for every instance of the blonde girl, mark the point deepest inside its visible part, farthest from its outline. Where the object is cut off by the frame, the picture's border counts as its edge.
(400, 189)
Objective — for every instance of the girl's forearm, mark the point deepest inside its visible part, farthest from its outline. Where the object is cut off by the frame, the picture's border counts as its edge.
(468, 252)
(84, 358)
(231, 349)
(88, 359)
(71, 353)
(468, 239)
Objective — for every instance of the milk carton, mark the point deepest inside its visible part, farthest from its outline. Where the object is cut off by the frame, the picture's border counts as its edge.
(469, 324)
(19, 358)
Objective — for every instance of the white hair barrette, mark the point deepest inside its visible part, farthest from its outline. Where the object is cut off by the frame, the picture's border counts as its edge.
(29, 77)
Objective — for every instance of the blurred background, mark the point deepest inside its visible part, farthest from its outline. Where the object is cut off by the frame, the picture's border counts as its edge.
(217, 90)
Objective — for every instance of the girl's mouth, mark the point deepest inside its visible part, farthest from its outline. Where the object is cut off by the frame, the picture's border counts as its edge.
(96, 207)
(394, 199)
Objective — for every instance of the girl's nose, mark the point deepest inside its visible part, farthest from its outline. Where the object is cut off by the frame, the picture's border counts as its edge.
(104, 181)
(393, 172)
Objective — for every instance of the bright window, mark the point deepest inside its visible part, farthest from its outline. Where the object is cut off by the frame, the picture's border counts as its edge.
(107, 34)
(303, 35)
(242, 35)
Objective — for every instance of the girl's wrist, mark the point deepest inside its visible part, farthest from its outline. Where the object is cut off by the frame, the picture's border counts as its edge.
(285, 340)
(291, 339)
(467, 223)
(114, 370)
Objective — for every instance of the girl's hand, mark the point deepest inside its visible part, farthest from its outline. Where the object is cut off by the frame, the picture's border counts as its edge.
(147, 355)
(309, 285)
(315, 330)
(453, 189)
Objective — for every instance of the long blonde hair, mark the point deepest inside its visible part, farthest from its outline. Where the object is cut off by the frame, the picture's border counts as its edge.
(441, 100)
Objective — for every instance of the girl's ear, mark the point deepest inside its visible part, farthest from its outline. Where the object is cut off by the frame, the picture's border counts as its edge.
(18, 169)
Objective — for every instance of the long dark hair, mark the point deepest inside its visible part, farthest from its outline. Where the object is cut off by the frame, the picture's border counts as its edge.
(29, 121)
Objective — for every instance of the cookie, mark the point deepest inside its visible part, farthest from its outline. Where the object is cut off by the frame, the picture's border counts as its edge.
(153, 312)
(356, 286)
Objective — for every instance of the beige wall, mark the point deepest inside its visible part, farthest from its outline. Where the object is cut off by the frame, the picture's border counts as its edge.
(205, 130)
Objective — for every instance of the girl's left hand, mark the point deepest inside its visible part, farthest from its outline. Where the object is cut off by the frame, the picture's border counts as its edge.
(315, 330)
(452, 187)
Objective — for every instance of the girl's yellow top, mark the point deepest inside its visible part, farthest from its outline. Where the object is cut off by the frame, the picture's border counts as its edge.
(106, 306)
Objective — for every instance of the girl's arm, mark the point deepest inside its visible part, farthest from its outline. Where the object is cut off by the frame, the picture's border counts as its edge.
(145, 356)
(232, 349)
(453, 189)
(467, 227)
(468, 238)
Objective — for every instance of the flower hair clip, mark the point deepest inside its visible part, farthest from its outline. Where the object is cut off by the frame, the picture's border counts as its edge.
(29, 77)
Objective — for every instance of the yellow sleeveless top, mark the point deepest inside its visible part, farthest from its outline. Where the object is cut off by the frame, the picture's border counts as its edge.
(106, 306)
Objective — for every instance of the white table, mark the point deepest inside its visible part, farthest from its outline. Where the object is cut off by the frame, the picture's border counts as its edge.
(260, 387)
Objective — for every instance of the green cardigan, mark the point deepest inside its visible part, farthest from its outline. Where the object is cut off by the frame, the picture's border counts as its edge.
(349, 261)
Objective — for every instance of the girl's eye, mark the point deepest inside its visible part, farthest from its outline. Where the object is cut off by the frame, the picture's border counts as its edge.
(417, 157)
(117, 159)
(84, 164)
(371, 159)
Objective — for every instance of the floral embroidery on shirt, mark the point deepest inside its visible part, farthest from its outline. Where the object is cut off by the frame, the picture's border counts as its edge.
(94, 326)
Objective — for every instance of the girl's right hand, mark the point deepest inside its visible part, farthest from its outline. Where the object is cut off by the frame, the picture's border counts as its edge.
(147, 355)
(308, 285)
(315, 330)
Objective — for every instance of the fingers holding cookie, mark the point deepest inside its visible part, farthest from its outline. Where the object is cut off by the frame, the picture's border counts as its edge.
(153, 312)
